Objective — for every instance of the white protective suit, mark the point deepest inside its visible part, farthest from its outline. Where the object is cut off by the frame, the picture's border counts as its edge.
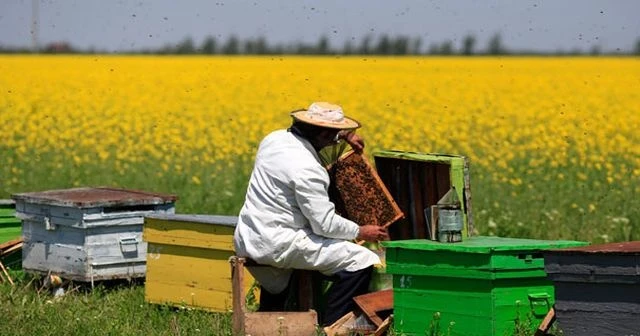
(287, 220)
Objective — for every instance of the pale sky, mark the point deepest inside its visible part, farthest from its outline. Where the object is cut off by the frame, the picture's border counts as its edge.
(539, 25)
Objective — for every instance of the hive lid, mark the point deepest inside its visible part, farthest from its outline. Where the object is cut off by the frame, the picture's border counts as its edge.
(93, 197)
(415, 156)
(7, 202)
(632, 247)
(482, 244)
(205, 219)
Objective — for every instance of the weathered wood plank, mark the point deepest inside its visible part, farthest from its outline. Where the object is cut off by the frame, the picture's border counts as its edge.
(417, 203)
(281, 323)
(338, 328)
(546, 323)
(239, 311)
(372, 303)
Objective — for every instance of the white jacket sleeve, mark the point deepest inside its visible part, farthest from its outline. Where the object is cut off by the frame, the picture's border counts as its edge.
(311, 187)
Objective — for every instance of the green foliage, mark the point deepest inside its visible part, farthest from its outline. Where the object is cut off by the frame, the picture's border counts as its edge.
(251, 301)
(523, 327)
(570, 202)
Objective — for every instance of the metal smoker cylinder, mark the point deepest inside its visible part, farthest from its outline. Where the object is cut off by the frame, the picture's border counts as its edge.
(450, 218)
(450, 224)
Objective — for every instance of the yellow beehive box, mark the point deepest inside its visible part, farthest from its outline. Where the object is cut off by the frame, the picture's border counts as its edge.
(188, 260)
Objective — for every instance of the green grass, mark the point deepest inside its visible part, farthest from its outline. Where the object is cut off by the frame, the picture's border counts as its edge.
(112, 309)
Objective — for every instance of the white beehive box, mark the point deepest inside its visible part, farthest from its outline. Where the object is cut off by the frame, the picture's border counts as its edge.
(87, 234)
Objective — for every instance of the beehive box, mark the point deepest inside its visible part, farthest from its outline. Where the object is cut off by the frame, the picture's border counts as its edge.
(416, 181)
(188, 260)
(9, 223)
(87, 234)
(10, 230)
(597, 288)
(482, 285)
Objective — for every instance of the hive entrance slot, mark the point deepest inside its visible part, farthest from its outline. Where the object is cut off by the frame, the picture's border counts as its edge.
(129, 208)
(530, 256)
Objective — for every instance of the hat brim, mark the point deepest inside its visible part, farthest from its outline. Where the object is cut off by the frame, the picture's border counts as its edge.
(346, 123)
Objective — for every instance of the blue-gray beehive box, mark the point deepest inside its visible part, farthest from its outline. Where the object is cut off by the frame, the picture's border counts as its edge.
(87, 234)
(597, 288)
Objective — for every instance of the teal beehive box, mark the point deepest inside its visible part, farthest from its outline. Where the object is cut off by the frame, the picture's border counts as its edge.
(479, 287)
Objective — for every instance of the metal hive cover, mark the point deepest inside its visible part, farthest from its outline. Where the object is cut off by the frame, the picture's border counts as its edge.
(204, 219)
(632, 247)
(94, 197)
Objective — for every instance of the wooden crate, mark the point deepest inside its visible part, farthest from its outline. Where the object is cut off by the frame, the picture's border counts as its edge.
(188, 260)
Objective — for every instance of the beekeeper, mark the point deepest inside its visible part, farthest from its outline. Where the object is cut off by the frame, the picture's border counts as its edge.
(288, 222)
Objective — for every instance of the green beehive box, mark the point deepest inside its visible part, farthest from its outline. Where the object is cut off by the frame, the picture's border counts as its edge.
(417, 181)
(9, 223)
(10, 229)
(478, 287)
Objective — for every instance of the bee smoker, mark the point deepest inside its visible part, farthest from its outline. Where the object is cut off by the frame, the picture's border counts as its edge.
(450, 218)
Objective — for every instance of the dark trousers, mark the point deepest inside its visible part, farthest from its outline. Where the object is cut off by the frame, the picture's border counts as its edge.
(339, 298)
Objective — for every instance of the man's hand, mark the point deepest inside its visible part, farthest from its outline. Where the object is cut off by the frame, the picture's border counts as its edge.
(353, 139)
(372, 233)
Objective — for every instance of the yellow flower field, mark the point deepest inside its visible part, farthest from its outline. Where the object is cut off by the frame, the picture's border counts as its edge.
(553, 142)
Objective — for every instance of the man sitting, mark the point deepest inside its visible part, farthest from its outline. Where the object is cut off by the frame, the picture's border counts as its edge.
(288, 222)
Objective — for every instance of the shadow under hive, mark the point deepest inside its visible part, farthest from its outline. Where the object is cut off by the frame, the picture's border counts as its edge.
(359, 194)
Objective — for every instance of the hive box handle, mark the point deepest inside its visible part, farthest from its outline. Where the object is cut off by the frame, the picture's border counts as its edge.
(129, 245)
(48, 225)
(540, 304)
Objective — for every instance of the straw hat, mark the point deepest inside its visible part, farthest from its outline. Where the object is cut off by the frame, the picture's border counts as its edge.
(325, 114)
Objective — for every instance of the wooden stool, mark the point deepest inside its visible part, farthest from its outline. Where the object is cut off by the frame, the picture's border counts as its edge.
(271, 323)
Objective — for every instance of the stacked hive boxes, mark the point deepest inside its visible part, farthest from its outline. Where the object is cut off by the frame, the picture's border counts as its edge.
(188, 260)
(482, 285)
(597, 288)
(87, 234)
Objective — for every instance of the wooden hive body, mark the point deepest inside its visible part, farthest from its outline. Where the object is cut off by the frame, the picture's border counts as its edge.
(597, 288)
(483, 284)
(87, 234)
(188, 260)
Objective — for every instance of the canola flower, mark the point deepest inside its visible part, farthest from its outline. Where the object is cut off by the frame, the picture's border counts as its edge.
(528, 125)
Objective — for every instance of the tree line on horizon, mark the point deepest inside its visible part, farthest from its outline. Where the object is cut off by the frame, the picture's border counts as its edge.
(382, 45)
